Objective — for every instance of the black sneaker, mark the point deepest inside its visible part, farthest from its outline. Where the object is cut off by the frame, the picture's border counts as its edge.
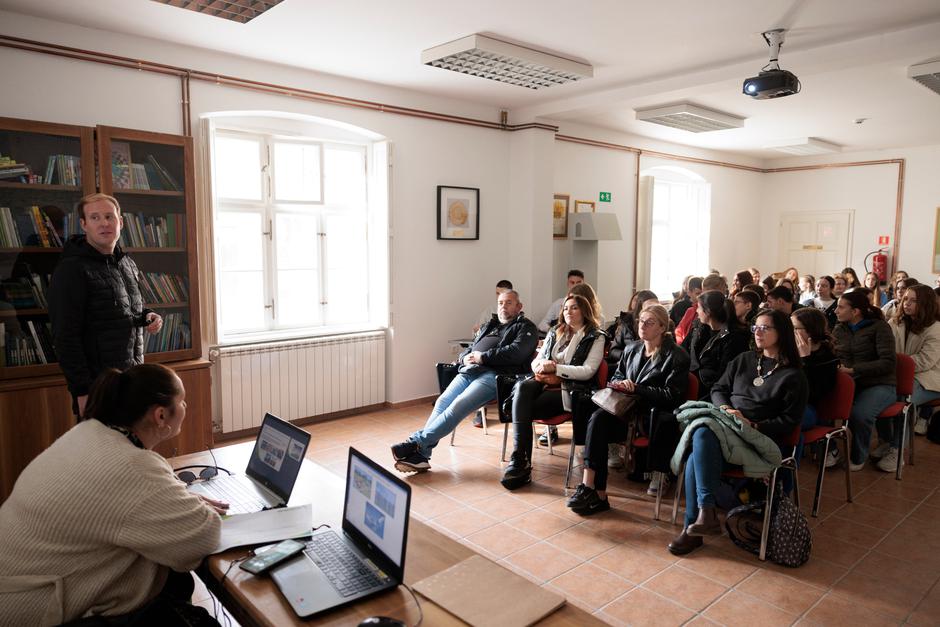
(586, 502)
(404, 449)
(543, 439)
(518, 473)
(416, 462)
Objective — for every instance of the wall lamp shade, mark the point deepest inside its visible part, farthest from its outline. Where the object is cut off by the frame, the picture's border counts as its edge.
(595, 226)
(485, 57)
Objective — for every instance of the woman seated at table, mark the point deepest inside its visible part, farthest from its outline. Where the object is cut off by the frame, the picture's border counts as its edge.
(727, 340)
(98, 524)
(820, 365)
(656, 370)
(570, 356)
(767, 391)
(917, 334)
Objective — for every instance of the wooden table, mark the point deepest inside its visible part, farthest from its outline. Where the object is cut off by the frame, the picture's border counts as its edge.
(257, 601)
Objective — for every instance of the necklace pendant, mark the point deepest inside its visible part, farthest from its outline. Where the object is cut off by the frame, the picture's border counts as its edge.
(758, 381)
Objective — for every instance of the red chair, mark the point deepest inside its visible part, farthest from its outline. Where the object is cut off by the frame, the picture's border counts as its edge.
(904, 370)
(601, 380)
(835, 408)
(691, 394)
(788, 463)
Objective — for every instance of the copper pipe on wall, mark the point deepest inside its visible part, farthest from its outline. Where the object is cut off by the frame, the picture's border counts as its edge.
(636, 217)
(187, 115)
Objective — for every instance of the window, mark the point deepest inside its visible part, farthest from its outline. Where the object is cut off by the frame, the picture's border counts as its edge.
(680, 229)
(292, 225)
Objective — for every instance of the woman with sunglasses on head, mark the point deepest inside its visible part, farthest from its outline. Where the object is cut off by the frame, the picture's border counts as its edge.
(725, 341)
(865, 347)
(766, 390)
(656, 370)
(917, 333)
(98, 524)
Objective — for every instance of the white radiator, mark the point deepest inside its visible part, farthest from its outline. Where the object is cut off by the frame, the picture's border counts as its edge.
(297, 379)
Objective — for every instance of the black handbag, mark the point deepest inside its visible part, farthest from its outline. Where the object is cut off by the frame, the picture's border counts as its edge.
(789, 540)
(445, 374)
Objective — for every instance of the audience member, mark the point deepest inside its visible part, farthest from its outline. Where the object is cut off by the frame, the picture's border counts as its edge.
(746, 305)
(897, 276)
(865, 346)
(792, 275)
(680, 306)
(684, 328)
(654, 369)
(741, 279)
(503, 346)
(725, 340)
(755, 275)
(97, 526)
(490, 312)
(807, 288)
(781, 299)
(625, 330)
(838, 285)
(917, 333)
(878, 297)
(769, 283)
(820, 365)
(554, 310)
(570, 356)
(764, 390)
(757, 289)
(851, 279)
(900, 286)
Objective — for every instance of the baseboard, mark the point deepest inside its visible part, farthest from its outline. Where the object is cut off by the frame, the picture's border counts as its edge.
(424, 400)
(244, 433)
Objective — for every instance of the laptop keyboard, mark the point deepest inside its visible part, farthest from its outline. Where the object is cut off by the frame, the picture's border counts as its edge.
(240, 498)
(345, 570)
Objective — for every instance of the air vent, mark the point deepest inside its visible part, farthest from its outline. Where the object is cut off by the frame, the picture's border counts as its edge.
(804, 146)
(927, 74)
(478, 55)
(689, 117)
(241, 11)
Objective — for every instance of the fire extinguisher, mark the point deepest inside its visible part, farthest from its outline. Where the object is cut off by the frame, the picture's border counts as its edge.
(879, 264)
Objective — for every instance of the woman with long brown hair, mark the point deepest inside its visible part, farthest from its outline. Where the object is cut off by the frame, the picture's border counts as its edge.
(917, 333)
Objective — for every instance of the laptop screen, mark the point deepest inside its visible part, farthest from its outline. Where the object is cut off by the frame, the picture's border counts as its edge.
(377, 505)
(279, 452)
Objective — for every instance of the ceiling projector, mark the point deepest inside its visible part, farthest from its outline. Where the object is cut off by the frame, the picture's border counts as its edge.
(772, 82)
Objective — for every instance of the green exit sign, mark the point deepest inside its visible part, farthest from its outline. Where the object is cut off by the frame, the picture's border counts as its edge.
(605, 197)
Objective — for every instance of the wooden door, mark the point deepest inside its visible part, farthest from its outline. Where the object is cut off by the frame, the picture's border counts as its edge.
(815, 243)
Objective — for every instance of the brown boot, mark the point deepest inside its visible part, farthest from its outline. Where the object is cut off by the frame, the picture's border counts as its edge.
(683, 544)
(706, 524)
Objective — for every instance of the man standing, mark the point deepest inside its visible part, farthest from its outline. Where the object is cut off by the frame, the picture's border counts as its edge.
(551, 316)
(505, 345)
(95, 304)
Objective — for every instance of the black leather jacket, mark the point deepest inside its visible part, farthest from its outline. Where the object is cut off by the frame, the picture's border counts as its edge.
(514, 351)
(709, 360)
(97, 313)
(664, 380)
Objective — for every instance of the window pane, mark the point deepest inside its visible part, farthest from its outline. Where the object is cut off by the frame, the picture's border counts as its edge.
(238, 168)
(242, 301)
(347, 270)
(345, 177)
(297, 172)
(298, 257)
(238, 242)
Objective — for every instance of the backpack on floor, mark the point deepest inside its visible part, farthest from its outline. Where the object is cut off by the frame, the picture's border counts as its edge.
(789, 540)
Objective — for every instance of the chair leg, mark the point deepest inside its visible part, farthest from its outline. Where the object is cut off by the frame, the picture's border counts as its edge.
(794, 470)
(452, 434)
(502, 456)
(901, 447)
(847, 440)
(912, 420)
(659, 495)
(548, 436)
(482, 412)
(675, 498)
(570, 463)
(768, 508)
(820, 477)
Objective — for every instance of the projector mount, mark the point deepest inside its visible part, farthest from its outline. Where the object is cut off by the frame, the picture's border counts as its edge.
(774, 39)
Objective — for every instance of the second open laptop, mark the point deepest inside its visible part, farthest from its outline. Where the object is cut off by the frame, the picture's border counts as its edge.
(271, 473)
(366, 557)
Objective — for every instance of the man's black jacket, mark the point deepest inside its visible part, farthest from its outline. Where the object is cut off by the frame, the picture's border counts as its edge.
(515, 350)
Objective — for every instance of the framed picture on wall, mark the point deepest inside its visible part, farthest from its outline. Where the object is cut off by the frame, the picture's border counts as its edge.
(560, 216)
(584, 206)
(936, 244)
(458, 212)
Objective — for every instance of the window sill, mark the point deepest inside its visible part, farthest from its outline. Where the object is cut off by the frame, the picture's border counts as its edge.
(295, 334)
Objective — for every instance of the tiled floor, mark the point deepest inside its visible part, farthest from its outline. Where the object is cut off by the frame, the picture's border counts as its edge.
(875, 561)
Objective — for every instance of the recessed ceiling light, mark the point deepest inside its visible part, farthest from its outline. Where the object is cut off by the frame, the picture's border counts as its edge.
(804, 146)
(240, 11)
(689, 117)
(478, 55)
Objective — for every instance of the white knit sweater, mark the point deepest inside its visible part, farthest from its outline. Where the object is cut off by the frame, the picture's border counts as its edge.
(92, 527)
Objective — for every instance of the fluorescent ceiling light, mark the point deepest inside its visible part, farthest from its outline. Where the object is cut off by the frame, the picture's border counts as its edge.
(240, 11)
(689, 117)
(927, 74)
(478, 55)
(804, 146)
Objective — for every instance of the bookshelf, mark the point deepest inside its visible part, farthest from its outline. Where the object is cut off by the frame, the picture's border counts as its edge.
(50, 167)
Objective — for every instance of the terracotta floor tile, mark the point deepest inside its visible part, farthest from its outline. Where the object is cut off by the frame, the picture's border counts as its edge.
(885, 501)
(871, 516)
(464, 521)
(542, 524)
(686, 588)
(582, 541)
(837, 551)
(501, 540)
(701, 621)
(848, 531)
(474, 490)
(503, 506)
(916, 575)
(543, 561)
(618, 525)
(642, 607)
(785, 592)
(592, 585)
(926, 513)
(737, 608)
(537, 495)
(655, 542)
(631, 563)
(837, 611)
(717, 566)
(927, 611)
(817, 572)
(431, 504)
(879, 593)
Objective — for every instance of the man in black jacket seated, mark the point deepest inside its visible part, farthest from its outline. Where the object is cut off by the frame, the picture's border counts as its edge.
(504, 345)
(95, 305)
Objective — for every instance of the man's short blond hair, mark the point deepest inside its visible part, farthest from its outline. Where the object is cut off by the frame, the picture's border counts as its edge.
(90, 198)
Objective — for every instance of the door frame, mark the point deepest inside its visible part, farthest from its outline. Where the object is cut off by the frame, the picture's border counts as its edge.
(849, 242)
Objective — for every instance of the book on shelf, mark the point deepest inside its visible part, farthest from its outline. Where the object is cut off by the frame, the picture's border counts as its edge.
(121, 165)
(142, 231)
(139, 176)
(30, 227)
(175, 335)
(166, 178)
(27, 346)
(158, 287)
(25, 292)
(63, 170)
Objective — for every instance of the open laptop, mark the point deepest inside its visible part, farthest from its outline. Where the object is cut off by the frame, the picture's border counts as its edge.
(366, 557)
(272, 470)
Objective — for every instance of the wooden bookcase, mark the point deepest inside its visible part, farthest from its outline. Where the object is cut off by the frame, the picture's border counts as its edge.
(35, 406)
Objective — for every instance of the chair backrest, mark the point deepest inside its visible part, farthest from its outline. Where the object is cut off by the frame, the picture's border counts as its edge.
(904, 370)
(793, 438)
(602, 375)
(691, 393)
(837, 405)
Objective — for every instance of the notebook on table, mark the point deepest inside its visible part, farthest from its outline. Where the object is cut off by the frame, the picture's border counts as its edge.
(365, 557)
(271, 473)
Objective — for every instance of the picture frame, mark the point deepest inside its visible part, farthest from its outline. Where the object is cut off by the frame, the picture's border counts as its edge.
(458, 212)
(936, 244)
(584, 206)
(560, 208)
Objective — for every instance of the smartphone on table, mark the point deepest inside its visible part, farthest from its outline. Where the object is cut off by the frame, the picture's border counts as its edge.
(272, 557)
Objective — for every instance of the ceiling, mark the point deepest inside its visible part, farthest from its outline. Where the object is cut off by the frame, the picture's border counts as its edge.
(850, 55)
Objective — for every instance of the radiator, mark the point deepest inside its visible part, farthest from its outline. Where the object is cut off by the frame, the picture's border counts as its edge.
(296, 379)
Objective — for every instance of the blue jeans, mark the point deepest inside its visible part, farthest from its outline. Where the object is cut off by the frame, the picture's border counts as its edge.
(702, 473)
(810, 420)
(922, 395)
(869, 402)
(465, 394)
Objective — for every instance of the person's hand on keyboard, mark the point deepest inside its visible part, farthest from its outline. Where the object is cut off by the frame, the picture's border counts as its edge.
(219, 506)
